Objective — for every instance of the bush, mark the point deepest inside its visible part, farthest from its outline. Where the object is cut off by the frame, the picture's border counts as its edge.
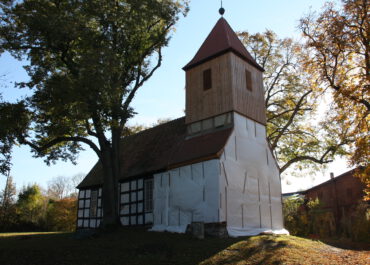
(61, 215)
(295, 218)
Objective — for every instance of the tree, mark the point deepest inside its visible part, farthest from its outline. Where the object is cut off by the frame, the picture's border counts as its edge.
(338, 42)
(61, 215)
(294, 134)
(59, 187)
(31, 205)
(87, 59)
(7, 204)
(75, 180)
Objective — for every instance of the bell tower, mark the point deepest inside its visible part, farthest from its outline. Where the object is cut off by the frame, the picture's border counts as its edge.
(223, 78)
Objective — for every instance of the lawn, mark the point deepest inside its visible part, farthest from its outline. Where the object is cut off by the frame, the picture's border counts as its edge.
(135, 246)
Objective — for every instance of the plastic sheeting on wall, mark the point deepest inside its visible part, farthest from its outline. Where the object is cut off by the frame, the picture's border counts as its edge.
(242, 188)
(186, 194)
(250, 182)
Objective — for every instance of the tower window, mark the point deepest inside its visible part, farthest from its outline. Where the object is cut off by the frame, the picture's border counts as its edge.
(207, 79)
(248, 79)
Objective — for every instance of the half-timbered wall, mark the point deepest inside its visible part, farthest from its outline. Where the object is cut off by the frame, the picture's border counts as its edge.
(136, 202)
(90, 211)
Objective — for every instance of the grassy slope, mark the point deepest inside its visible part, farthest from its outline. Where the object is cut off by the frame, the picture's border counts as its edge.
(139, 247)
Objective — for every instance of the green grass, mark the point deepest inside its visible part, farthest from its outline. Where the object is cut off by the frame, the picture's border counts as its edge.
(27, 234)
(135, 246)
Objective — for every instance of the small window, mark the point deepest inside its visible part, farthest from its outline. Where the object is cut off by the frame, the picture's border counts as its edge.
(248, 79)
(207, 79)
(148, 199)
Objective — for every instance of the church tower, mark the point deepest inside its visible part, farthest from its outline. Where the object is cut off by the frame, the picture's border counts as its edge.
(222, 78)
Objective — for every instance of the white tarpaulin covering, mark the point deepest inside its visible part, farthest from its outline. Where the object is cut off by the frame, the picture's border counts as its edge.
(186, 194)
(250, 182)
(242, 188)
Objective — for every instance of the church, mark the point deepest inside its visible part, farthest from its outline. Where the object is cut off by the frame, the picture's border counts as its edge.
(212, 167)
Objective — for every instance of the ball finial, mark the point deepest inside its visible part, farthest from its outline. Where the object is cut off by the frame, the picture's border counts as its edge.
(221, 11)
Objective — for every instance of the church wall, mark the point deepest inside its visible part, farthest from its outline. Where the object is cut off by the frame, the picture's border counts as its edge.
(186, 194)
(250, 188)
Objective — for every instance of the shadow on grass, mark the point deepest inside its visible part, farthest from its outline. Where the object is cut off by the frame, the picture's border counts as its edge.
(124, 246)
(261, 249)
(346, 244)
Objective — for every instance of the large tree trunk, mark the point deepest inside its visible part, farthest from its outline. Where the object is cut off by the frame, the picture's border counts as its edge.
(110, 190)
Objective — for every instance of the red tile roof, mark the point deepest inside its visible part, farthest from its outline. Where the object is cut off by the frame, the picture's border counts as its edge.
(222, 39)
(159, 149)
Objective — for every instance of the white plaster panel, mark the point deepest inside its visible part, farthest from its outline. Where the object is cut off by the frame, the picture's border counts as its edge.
(93, 223)
(125, 220)
(87, 212)
(79, 222)
(140, 195)
(81, 194)
(125, 186)
(87, 193)
(125, 198)
(140, 207)
(133, 208)
(133, 185)
(125, 209)
(133, 197)
(140, 183)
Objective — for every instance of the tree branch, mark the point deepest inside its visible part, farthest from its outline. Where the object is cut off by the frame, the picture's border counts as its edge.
(58, 140)
(296, 109)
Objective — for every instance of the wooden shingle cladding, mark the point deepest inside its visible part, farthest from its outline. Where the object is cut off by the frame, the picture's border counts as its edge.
(228, 91)
(89, 212)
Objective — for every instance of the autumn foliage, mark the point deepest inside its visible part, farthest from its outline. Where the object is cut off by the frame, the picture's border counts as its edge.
(61, 215)
(338, 41)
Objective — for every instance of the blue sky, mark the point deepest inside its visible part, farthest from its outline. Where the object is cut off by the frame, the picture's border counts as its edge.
(163, 96)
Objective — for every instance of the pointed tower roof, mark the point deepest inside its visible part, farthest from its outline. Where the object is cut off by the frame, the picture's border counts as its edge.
(222, 39)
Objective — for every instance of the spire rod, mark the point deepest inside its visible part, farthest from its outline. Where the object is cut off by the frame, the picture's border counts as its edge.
(221, 10)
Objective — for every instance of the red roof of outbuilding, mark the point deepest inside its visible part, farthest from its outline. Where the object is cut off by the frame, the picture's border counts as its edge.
(222, 39)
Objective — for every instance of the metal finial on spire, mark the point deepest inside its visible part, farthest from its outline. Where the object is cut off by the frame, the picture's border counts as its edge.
(221, 10)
